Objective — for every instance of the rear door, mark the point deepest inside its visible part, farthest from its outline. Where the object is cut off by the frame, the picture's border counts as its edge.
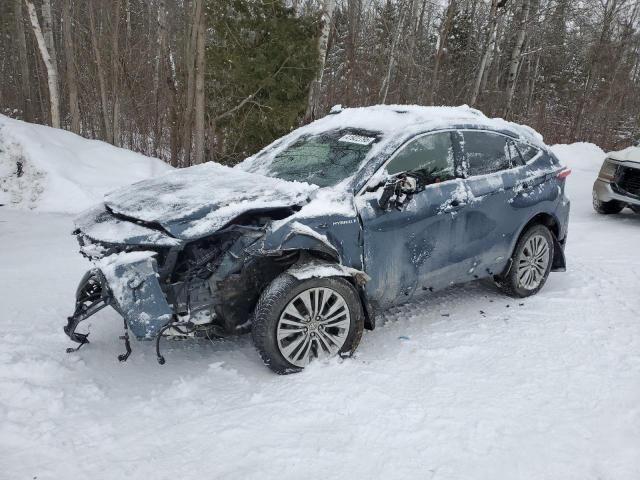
(481, 244)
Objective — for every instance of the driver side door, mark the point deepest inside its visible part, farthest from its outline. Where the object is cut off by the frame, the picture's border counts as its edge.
(406, 248)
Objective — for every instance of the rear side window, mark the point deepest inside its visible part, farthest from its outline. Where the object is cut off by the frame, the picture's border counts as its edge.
(486, 153)
(527, 151)
(429, 158)
(514, 154)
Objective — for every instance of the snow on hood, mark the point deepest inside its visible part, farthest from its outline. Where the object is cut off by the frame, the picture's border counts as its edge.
(199, 200)
(629, 154)
(98, 224)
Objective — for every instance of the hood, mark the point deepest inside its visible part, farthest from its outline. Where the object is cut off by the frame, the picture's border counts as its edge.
(629, 154)
(196, 201)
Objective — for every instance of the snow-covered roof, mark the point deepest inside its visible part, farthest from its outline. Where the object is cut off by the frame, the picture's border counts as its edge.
(629, 154)
(392, 121)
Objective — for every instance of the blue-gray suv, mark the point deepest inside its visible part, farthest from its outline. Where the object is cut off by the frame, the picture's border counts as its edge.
(306, 242)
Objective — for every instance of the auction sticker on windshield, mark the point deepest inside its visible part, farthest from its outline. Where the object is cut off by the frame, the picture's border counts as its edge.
(359, 139)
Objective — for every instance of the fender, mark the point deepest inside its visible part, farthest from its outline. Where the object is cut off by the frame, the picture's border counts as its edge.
(316, 268)
(296, 237)
(559, 263)
(319, 269)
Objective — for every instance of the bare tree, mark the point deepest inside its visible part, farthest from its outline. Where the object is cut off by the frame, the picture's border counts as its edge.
(323, 41)
(49, 63)
(384, 90)
(69, 55)
(107, 132)
(159, 69)
(115, 72)
(442, 47)
(25, 81)
(199, 124)
(516, 56)
(191, 45)
(492, 35)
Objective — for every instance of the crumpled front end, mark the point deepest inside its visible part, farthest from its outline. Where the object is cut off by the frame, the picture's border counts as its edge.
(129, 283)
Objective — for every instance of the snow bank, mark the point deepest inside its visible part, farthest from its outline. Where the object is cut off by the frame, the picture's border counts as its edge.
(580, 157)
(61, 171)
(584, 160)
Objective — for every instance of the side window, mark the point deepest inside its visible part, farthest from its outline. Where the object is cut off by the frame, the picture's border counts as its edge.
(429, 158)
(485, 152)
(514, 154)
(527, 151)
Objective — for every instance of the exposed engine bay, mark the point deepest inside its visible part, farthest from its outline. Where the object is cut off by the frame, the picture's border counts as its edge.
(208, 286)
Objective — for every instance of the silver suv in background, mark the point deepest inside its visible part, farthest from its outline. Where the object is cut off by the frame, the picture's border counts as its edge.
(618, 183)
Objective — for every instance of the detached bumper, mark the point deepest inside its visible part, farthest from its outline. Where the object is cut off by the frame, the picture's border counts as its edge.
(128, 282)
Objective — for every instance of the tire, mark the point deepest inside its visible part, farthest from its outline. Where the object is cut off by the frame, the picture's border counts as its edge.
(606, 208)
(284, 352)
(516, 282)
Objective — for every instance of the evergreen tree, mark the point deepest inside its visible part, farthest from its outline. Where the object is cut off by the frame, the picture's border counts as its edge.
(261, 59)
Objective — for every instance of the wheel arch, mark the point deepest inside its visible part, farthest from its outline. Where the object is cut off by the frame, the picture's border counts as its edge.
(552, 223)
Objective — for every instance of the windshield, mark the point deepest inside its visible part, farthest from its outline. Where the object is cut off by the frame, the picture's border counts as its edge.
(323, 159)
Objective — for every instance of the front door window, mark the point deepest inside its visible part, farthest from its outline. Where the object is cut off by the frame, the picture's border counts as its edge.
(428, 158)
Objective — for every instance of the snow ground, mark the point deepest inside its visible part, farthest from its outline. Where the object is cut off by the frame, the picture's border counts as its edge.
(467, 385)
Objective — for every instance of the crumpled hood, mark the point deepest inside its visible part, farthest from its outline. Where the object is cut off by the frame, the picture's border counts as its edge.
(196, 201)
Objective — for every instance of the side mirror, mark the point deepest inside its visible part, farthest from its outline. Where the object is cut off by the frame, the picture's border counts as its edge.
(397, 191)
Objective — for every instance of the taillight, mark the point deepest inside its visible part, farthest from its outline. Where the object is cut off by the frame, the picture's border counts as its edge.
(564, 173)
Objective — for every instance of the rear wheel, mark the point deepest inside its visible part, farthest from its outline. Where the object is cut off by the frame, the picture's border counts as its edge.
(530, 263)
(606, 208)
(298, 321)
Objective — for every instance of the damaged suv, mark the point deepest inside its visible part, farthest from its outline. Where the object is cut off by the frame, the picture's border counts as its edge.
(305, 242)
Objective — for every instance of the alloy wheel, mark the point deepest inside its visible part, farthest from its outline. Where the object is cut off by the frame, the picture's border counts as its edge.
(314, 324)
(533, 262)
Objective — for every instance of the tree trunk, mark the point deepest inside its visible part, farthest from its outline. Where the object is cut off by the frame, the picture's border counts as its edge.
(199, 124)
(516, 55)
(442, 45)
(106, 123)
(493, 33)
(384, 90)
(158, 74)
(52, 70)
(313, 102)
(173, 102)
(115, 71)
(25, 80)
(187, 123)
(72, 81)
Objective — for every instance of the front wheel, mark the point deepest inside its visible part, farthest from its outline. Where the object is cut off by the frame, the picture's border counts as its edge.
(606, 208)
(530, 263)
(298, 321)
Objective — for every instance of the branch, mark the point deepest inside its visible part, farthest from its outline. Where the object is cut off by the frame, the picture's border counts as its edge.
(250, 97)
